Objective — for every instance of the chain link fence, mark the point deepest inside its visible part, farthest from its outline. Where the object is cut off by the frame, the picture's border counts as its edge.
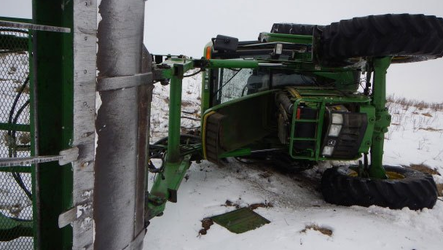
(15, 140)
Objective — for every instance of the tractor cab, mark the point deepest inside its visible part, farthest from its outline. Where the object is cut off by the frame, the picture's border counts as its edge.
(284, 103)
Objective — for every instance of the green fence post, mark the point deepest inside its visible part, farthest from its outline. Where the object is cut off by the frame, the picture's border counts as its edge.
(53, 82)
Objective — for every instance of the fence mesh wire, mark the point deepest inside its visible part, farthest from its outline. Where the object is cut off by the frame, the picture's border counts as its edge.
(15, 140)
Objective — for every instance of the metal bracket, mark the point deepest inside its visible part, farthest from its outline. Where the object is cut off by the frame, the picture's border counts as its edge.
(79, 212)
(122, 82)
(32, 26)
(66, 156)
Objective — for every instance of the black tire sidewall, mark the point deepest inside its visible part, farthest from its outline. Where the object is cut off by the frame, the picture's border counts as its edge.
(416, 190)
(415, 37)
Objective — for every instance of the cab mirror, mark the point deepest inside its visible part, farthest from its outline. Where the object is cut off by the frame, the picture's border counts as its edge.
(225, 43)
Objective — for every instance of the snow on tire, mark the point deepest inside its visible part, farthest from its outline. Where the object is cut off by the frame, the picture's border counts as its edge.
(406, 37)
(410, 188)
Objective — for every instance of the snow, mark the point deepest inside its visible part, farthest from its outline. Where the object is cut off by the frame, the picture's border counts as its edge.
(297, 205)
(415, 136)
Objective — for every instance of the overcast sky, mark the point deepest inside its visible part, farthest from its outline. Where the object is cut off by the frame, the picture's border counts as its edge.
(184, 27)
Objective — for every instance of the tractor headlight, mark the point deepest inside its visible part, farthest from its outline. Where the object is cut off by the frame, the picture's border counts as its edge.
(278, 49)
(336, 125)
(328, 150)
(337, 118)
(344, 133)
(334, 130)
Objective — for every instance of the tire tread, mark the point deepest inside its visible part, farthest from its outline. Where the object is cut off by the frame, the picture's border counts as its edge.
(416, 191)
(418, 37)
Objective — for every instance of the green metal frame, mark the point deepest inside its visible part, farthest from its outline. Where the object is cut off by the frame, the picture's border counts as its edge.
(373, 107)
(53, 79)
(318, 101)
(167, 182)
(321, 106)
(382, 117)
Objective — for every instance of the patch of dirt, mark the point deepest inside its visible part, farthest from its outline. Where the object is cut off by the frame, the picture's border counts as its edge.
(265, 174)
(229, 203)
(323, 230)
(263, 205)
(306, 174)
(206, 225)
(188, 104)
(254, 206)
(424, 169)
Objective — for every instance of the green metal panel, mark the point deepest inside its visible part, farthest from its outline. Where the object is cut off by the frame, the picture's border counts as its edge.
(344, 80)
(205, 88)
(16, 169)
(166, 186)
(250, 116)
(205, 91)
(53, 80)
(289, 38)
(240, 220)
(318, 99)
(367, 139)
(382, 117)
(15, 127)
(168, 181)
(12, 229)
(174, 119)
(313, 154)
(232, 63)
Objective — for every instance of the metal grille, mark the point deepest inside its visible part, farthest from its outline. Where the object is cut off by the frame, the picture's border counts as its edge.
(15, 140)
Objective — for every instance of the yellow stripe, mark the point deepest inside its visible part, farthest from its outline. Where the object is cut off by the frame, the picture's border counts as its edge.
(205, 118)
(294, 93)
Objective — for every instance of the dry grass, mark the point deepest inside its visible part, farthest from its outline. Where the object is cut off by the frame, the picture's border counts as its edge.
(263, 205)
(323, 230)
(253, 206)
(430, 129)
(420, 105)
(424, 169)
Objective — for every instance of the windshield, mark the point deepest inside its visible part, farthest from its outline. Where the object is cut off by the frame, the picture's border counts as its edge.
(231, 84)
(234, 83)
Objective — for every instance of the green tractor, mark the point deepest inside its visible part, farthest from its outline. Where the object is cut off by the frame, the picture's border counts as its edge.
(299, 95)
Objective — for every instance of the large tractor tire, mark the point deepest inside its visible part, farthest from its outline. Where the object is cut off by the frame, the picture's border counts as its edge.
(404, 188)
(406, 37)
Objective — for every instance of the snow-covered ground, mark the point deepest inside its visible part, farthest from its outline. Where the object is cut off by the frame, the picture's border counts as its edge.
(300, 219)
